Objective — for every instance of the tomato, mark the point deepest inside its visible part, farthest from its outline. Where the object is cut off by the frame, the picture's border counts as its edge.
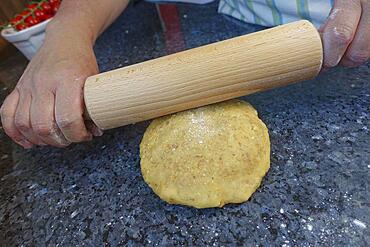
(40, 15)
(16, 19)
(31, 21)
(34, 13)
(31, 6)
(47, 16)
(25, 12)
(21, 26)
(55, 9)
(46, 7)
(54, 5)
(52, 2)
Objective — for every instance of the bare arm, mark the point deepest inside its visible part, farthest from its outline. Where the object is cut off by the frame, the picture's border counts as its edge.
(46, 107)
(87, 17)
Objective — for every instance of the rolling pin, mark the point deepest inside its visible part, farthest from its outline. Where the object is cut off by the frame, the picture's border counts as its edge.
(212, 73)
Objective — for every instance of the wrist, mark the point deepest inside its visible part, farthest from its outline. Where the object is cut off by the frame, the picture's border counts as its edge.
(67, 42)
(68, 29)
(59, 29)
(74, 18)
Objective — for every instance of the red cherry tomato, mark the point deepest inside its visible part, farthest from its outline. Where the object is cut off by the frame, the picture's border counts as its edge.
(40, 15)
(16, 19)
(31, 6)
(55, 9)
(47, 17)
(21, 26)
(25, 12)
(31, 21)
(54, 2)
(54, 5)
(46, 7)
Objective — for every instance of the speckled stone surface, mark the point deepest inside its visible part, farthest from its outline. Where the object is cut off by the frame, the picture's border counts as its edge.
(317, 192)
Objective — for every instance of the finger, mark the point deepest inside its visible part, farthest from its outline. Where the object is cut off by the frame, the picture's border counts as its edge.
(339, 30)
(22, 118)
(7, 119)
(43, 121)
(69, 113)
(359, 50)
(93, 129)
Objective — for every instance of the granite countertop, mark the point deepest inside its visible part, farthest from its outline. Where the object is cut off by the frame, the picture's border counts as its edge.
(317, 192)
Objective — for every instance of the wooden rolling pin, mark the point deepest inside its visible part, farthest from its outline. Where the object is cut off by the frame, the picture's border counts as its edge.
(204, 75)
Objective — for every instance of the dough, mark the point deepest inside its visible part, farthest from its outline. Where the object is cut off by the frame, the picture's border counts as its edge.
(206, 157)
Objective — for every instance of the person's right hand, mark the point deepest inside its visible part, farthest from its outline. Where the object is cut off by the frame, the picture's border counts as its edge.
(46, 107)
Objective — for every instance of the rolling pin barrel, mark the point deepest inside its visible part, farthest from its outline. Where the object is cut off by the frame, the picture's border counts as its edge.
(228, 69)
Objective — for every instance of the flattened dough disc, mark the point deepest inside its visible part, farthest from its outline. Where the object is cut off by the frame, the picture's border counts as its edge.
(206, 157)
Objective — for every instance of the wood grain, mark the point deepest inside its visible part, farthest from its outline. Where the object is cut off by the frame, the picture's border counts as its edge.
(204, 75)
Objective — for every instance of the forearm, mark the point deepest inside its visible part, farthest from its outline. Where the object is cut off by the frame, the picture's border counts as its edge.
(85, 19)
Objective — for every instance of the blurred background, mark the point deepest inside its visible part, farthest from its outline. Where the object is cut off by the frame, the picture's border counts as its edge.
(12, 64)
(8, 8)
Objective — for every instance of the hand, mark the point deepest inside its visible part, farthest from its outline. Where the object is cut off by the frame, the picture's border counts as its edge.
(346, 34)
(46, 107)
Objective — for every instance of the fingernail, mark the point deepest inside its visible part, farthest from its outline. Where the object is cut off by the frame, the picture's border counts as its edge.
(333, 51)
(97, 132)
(65, 143)
(332, 60)
(325, 69)
(26, 144)
(60, 139)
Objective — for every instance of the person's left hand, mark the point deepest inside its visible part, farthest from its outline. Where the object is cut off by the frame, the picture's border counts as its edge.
(346, 34)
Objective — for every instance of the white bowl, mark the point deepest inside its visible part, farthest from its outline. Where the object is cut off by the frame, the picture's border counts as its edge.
(28, 40)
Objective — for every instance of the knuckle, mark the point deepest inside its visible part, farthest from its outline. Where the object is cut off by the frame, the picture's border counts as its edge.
(343, 34)
(4, 112)
(6, 115)
(23, 86)
(5, 108)
(6, 123)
